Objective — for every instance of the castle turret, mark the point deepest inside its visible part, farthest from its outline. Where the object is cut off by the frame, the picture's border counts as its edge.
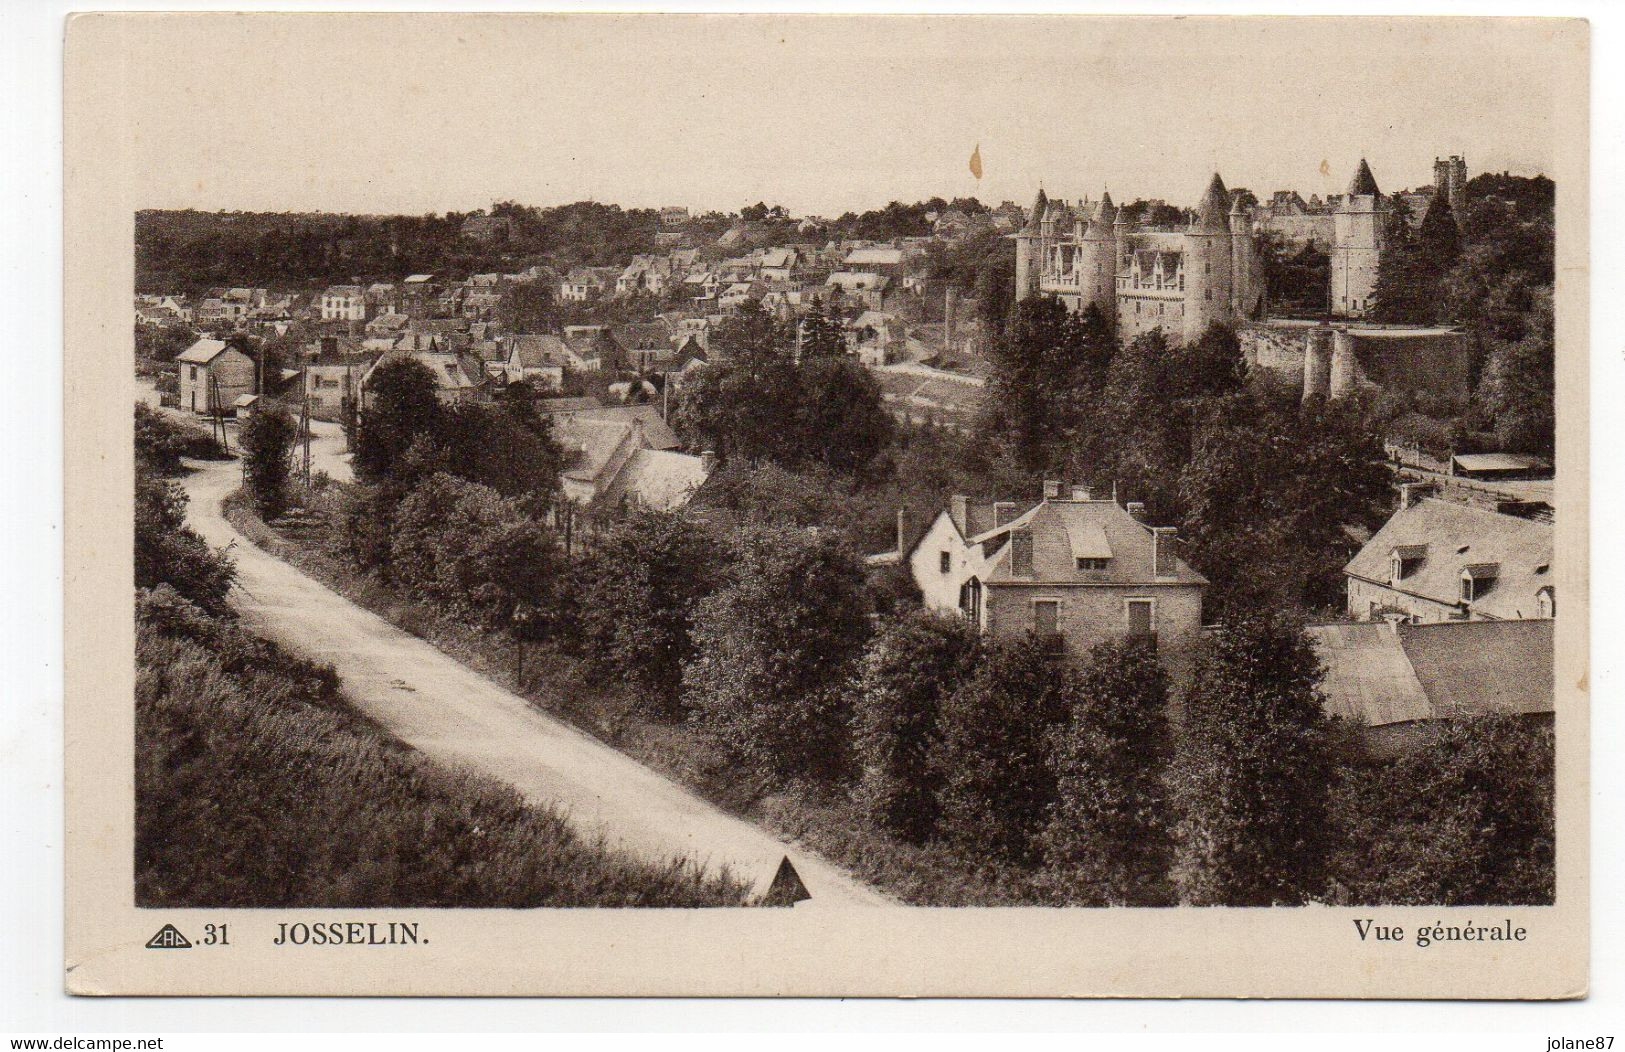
(1450, 179)
(1317, 363)
(1030, 249)
(1244, 278)
(1208, 262)
(1097, 260)
(1359, 228)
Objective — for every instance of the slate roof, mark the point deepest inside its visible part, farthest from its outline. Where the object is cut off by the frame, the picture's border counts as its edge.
(658, 479)
(1364, 182)
(202, 352)
(1055, 524)
(1379, 674)
(656, 431)
(1212, 215)
(537, 351)
(1453, 537)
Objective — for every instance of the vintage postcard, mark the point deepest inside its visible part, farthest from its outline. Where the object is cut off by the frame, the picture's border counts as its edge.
(855, 505)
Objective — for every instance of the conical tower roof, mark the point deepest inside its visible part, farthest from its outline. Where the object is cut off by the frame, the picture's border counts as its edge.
(1036, 214)
(1364, 183)
(1100, 224)
(1212, 214)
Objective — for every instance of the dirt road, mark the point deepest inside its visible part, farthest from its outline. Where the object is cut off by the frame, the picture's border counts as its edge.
(459, 718)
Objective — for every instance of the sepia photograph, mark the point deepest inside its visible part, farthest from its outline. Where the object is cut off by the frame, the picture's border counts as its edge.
(1098, 468)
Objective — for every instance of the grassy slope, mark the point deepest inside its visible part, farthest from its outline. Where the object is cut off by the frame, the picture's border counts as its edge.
(256, 786)
(555, 684)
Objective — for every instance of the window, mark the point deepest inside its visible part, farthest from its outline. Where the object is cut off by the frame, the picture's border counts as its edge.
(1140, 615)
(1091, 564)
(1548, 602)
(947, 561)
(1046, 616)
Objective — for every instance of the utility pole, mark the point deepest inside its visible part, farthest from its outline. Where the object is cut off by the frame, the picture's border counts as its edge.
(218, 416)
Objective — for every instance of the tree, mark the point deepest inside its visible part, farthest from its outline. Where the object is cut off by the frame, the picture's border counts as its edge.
(1108, 839)
(991, 750)
(821, 336)
(507, 445)
(1412, 270)
(167, 551)
(1463, 819)
(267, 441)
(773, 649)
(529, 306)
(916, 661)
(841, 420)
(401, 408)
(1249, 779)
(1519, 386)
(1044, 370)
(640, 589)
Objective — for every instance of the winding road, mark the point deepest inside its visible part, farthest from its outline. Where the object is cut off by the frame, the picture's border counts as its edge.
(458, 718)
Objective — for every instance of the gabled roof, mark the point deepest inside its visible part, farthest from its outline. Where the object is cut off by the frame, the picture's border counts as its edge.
(202, 352)
(657, 433)
(1379, 674)
(1363, 183)
(533, 351)
(1458, 537)
(657, 479)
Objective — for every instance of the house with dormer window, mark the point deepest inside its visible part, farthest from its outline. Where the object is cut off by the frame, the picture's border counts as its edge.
(1439, 560)
(1087, 571)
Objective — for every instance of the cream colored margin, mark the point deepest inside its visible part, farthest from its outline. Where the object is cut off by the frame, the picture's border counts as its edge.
(1011, 952)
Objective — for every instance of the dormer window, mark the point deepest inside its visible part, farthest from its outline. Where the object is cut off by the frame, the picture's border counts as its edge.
(1092, 564)
(1477, 579)
(1406, 559)
(1547, 600)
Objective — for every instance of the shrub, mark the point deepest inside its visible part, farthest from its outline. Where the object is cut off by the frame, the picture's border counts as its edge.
(251, 792)
(1107, 841)
(997, 785)
(1250, 775)
(267, 442)
(907, 671)
(462, 548)
(161, 442)
(167, 551)
(773, 650)
(1465, 819)
(639, 590)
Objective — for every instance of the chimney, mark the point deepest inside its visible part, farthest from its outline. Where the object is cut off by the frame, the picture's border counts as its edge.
(958, 509)
(708, 461)
(1411, 492)
(1163, 556)
(1080, 493)
(902, 531)
(1136, 508)
(1052, 489)
(1021, 552)
(1004, 511)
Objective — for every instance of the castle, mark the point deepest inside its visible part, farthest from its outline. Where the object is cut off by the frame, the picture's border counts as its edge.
(1181, 281)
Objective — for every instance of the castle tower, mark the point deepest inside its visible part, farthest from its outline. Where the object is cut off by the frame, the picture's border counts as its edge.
(1341, 379)
(1317, 363)
(1030, 249)
(1097, 261)
(1120, 262)
(1244, 277)
(1359, 228)
(1450, 179)
(1207, 262)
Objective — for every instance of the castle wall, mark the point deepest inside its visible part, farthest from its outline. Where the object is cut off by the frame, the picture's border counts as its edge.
(1300, 230)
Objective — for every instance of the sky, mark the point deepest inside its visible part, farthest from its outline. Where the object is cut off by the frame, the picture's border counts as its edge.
(383, 114)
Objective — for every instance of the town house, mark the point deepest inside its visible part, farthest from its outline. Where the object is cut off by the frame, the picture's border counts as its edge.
(213, 374)
(1087, 571)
